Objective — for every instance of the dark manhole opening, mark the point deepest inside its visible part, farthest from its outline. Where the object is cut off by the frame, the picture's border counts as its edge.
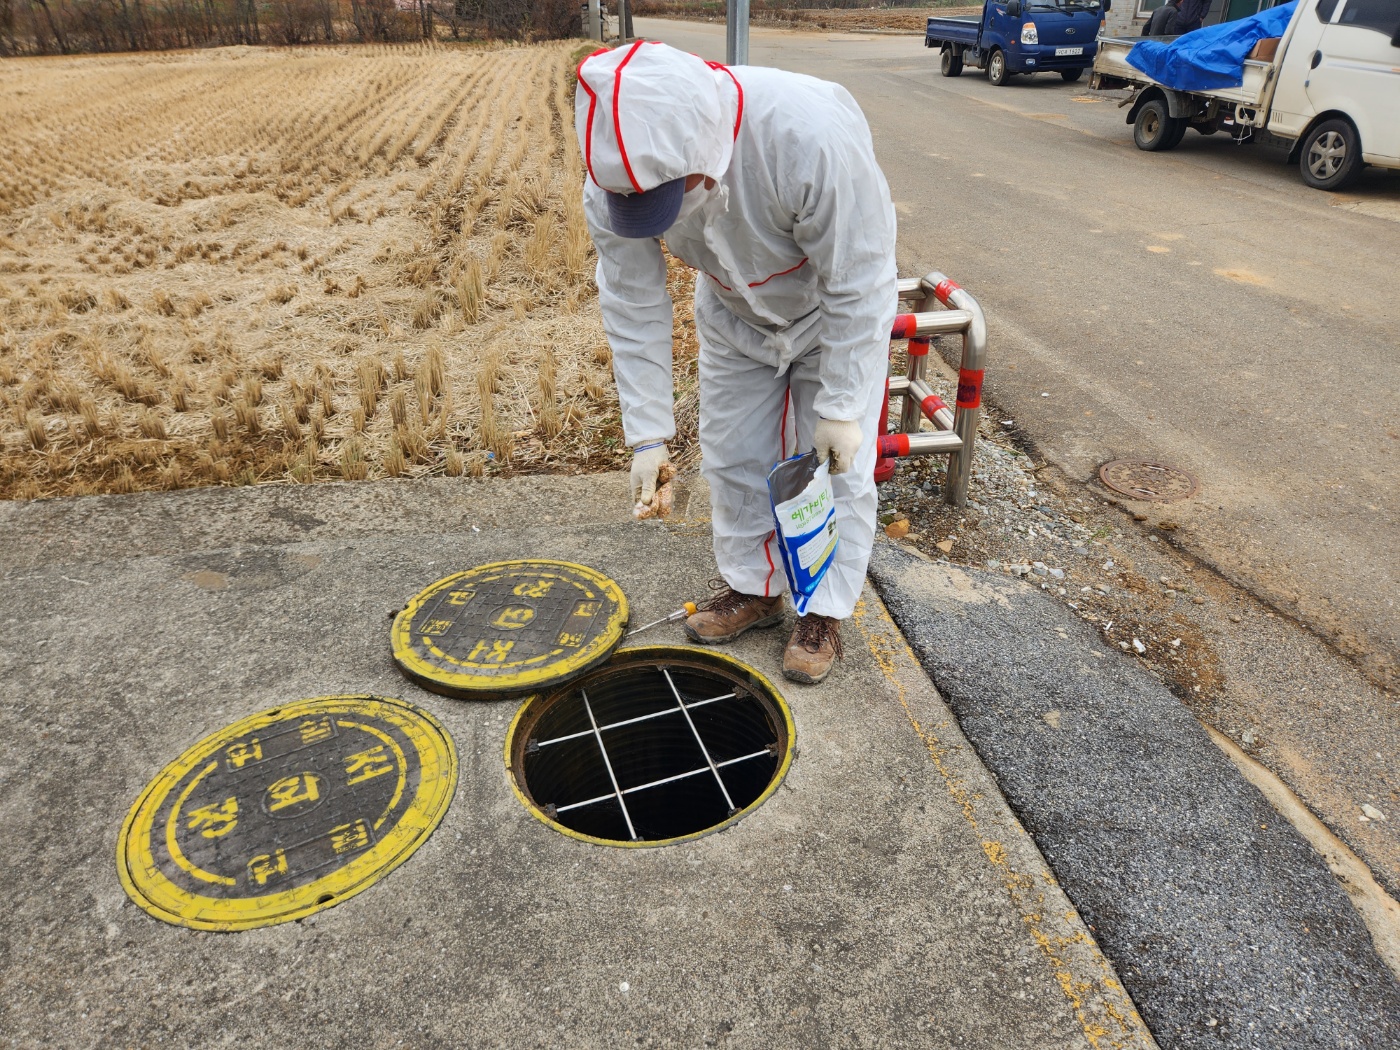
(659, 744)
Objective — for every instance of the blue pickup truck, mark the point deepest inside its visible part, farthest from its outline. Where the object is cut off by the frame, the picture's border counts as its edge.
(1020, 36)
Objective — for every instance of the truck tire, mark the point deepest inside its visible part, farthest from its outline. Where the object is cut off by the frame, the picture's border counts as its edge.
(1069, 76)
(950, 64)
(996, 68)
(1156, 129)
(1331, 155)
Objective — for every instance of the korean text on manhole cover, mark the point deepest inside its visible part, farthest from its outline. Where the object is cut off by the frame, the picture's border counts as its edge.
(287, 812)
(509, 627)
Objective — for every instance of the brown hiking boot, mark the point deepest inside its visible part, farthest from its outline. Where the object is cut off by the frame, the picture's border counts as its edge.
(728, 614)
(815, 645)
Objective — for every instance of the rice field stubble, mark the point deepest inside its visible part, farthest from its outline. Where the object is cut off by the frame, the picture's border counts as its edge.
(256, 265)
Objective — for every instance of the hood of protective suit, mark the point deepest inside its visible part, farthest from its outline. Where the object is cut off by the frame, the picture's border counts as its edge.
(648, 113)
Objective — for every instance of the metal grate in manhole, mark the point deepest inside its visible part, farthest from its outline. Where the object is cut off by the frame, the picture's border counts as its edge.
(286, 812)
(1153, 482)
(509, 627)
(659, 745)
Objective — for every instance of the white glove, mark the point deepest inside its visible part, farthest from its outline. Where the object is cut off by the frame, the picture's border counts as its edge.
(647, 460)
(837, 440)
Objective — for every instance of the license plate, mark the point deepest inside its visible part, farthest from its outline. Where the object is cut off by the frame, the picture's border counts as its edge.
(1068, 51)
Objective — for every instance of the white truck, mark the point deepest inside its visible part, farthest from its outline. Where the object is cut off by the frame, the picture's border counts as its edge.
(1330, 92)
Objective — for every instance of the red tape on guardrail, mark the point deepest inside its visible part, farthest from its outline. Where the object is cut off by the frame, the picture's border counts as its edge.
(945, 288)
(970, 388)
(932, 404)
(894, 445)
(918, 346)
(905, 325)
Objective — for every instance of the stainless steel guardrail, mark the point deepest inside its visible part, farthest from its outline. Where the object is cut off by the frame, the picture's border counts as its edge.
(955, 429)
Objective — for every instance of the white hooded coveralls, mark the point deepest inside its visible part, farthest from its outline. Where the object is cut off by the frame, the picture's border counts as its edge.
(795, 291)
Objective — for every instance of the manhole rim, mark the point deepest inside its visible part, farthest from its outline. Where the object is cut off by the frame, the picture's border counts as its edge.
(659, 654)
(1190, 494)
(407, 835)
(469, 687)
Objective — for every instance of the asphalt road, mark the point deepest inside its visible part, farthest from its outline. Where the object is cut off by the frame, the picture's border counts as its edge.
(1202, 308)
(1225, 925)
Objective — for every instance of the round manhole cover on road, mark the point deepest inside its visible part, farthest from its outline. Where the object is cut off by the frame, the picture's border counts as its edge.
(509, 627)
(286, 812)
(660, 745)
(1154, 482)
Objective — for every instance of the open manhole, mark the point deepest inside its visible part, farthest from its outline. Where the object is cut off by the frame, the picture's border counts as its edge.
(659, 745)
(1151, 482)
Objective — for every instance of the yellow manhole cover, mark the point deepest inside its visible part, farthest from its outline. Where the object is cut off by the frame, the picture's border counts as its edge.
(509, 627)
(287, 812)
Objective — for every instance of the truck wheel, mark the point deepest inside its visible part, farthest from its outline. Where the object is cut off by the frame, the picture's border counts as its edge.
(1331, 156)
(1069, 76)
(949, 64)
(1155, 129)
(996, 68)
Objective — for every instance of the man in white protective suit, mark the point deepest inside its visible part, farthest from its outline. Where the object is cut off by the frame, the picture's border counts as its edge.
(765, 182)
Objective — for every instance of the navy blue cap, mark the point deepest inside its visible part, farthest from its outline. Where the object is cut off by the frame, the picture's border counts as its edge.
(648, 214)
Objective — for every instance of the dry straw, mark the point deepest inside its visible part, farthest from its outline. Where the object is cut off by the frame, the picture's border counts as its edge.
(233, 309)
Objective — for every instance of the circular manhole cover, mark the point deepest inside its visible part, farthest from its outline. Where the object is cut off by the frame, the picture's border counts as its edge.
(660, 745)
(509, 627)
(286, 812)
(1154, 482)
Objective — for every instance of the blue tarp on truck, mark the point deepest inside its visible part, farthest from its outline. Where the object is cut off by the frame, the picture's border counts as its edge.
(1212, 57)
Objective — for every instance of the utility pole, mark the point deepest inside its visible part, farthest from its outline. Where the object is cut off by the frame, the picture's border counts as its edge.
(595, 20)
(736, 33)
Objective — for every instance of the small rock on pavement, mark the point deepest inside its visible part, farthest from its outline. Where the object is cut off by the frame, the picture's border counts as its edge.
(1372, 812)
(897, 530)
(946, 546)
(1248, 739)
(1058, 574)
(1138, 647)
(1236, 618)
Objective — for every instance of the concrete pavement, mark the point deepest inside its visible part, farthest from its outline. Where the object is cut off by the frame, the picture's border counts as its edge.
(884, 897)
